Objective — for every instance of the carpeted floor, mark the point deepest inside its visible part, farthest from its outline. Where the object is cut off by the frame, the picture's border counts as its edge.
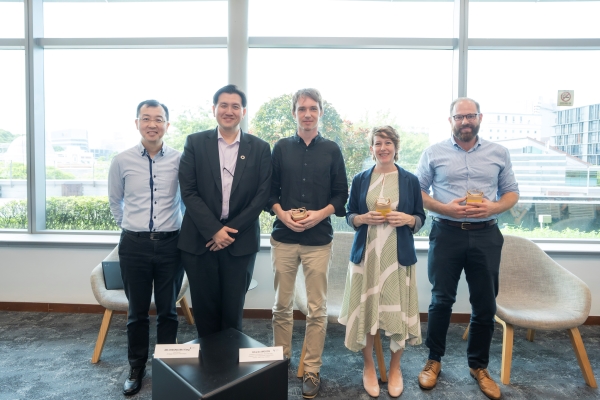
(47, 356)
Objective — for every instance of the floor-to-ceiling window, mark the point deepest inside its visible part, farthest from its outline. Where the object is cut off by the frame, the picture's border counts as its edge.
(13, 139)
(518, 74)
(74, 71)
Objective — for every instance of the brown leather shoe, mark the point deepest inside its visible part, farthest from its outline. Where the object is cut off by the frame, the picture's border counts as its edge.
(486, 383)
(428, 377)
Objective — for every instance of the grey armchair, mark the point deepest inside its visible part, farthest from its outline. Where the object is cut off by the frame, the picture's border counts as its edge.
(115, 300)
(537, 293)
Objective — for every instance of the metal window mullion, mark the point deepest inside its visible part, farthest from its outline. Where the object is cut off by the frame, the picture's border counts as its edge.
(237, 47)
(460, 56)
(351, 43)
(36, 151)
(12, 44)
(132, 43)
(534, 44)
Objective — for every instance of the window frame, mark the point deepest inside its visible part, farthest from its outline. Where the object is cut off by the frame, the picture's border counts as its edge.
(237, 42)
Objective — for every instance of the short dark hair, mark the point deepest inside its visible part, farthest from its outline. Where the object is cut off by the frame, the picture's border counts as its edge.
(152, 103)
(386, 132)
(461, 99)
(231, 89)
(310, 93)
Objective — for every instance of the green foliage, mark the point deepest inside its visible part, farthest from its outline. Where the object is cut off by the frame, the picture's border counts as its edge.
(19, 171)
(190, 121)
(6, 136)
(99, 172)
(55, 173)
(13, 215)
(79, 213)
(355, 149)
(538, 233)
(85, 213)
(266, 224)
(412, 146)
(92, 213)
(274, 121)
(13, 170)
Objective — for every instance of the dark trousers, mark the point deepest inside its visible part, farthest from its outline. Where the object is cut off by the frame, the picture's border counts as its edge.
(146, 263)
(218, 285)
(452, 249)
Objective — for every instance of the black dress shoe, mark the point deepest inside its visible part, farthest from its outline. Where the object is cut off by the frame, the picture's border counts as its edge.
(133, 383)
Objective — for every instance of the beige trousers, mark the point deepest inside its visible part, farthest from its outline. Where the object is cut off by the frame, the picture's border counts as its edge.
(315, 261)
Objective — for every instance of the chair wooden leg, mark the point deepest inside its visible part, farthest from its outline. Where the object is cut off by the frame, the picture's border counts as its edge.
(507, 348)
(582, 358)
(380, 359)
(102, 335)
(301, 362)
(530, 334)
(466, 334)
(185, 308)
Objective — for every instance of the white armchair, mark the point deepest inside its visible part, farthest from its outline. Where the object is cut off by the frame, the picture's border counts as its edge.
(115, 300)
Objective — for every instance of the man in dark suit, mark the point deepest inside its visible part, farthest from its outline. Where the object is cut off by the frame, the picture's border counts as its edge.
(225, 180)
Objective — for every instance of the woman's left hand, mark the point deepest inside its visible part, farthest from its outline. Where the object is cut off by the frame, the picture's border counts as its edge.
(396, 219)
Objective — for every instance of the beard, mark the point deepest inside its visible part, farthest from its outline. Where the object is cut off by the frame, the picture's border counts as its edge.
(465, 136)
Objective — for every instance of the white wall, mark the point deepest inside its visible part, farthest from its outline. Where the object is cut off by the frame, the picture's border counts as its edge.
(60, 273)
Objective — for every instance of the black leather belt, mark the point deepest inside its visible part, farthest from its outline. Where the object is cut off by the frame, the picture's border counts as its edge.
(152, 235)
(467, 226)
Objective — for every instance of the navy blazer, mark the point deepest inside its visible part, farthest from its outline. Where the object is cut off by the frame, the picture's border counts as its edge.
(411, 202)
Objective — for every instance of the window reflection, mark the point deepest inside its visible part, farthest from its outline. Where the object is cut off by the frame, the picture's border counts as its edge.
(13, 161)
(91, 98)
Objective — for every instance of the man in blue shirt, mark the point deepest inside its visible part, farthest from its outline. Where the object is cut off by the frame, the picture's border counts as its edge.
(144, 199)
(465, 235)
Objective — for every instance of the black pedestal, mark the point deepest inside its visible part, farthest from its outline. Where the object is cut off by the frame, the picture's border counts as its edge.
(217, 374)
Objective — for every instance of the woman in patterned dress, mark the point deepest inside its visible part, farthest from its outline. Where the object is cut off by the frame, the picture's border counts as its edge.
(381, 288)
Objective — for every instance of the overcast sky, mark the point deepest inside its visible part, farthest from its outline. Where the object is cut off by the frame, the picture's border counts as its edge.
(98, 90)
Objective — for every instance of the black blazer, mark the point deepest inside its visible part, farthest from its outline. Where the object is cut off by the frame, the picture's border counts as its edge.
(200, 183)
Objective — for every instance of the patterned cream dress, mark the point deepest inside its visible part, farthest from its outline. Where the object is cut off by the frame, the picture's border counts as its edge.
(380, 293)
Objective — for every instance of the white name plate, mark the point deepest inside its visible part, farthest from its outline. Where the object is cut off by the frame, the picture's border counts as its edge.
(261, 354)
(176, 351)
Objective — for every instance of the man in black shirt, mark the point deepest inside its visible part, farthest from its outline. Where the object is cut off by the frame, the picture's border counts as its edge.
(308, 172)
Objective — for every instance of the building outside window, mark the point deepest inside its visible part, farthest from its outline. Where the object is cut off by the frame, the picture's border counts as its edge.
(13, 138)
(99, 59)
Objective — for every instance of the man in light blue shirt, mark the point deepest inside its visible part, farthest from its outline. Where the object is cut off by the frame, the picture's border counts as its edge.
(465, 235)
(144, 198)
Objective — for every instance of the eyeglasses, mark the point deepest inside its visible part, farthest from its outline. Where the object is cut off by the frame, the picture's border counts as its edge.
(469, 117)
(147, 120)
